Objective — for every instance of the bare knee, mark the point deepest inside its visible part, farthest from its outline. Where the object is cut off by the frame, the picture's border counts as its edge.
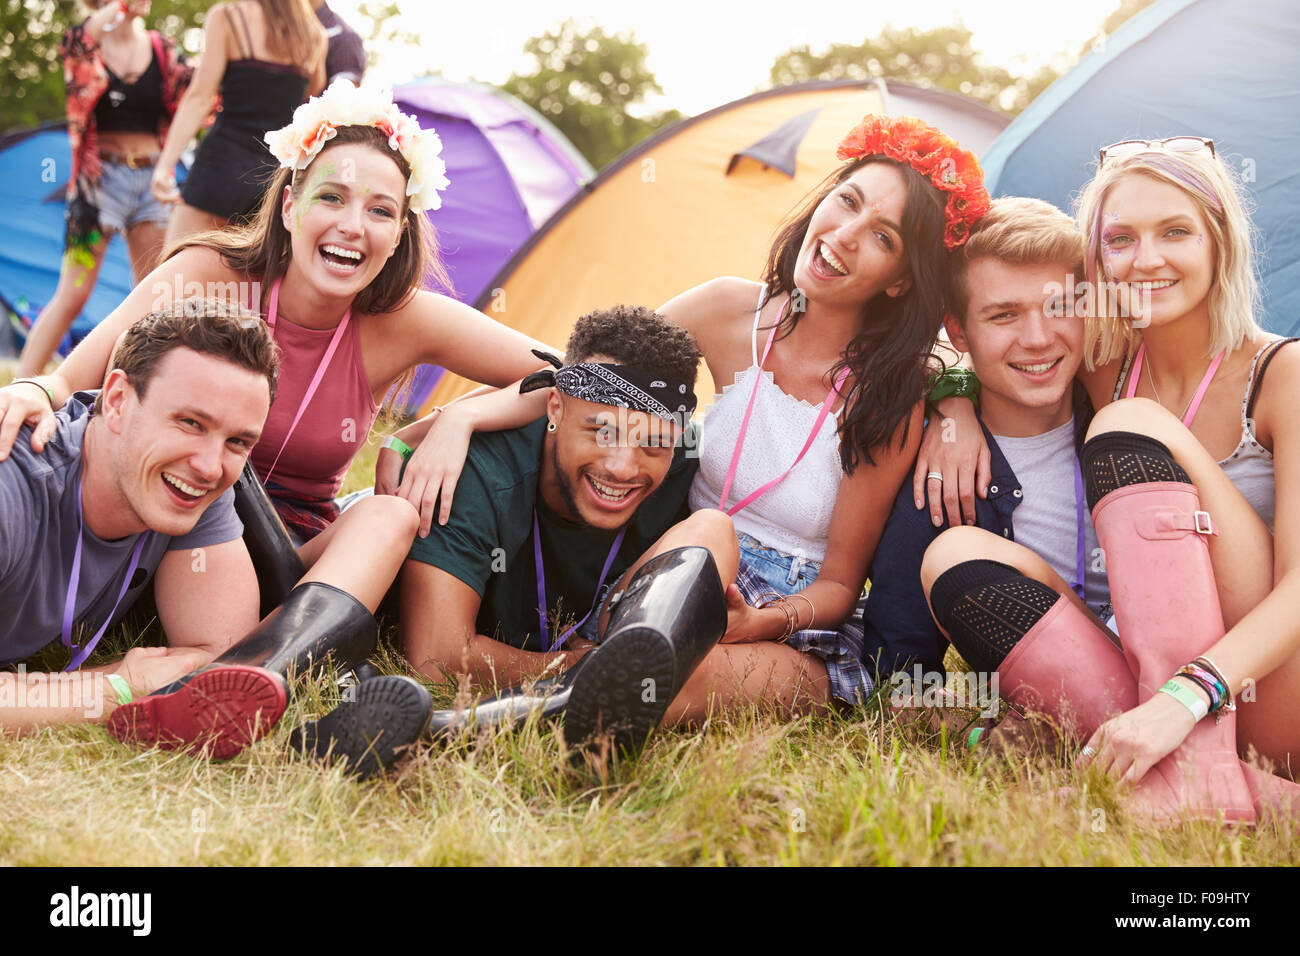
(952, 548)
(708, 527)
(390, 519)
(1138, 415)
(1141, 416)
(712, 529)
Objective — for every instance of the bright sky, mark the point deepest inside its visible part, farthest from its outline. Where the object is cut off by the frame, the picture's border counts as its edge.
(702, 52)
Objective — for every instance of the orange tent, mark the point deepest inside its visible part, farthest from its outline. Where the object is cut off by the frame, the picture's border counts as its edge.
(700, 199)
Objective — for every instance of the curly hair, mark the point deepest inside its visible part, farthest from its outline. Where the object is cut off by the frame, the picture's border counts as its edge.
(635, 335)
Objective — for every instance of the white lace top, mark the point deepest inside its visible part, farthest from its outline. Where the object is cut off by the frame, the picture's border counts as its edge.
(795, 516)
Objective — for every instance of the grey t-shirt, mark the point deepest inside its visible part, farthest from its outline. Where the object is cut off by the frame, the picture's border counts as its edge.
(1047, 519)
(38, 537)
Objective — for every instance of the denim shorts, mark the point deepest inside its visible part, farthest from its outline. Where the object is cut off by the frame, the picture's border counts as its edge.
(763, 570)
(124, 198)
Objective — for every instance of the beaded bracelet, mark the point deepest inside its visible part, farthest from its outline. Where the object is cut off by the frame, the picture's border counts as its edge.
(1207, 681)
(1230, 704)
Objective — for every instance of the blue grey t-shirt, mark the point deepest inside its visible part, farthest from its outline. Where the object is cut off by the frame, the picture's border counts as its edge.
(38, 536)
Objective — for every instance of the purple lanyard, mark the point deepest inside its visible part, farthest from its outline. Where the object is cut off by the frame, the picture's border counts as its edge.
(69, 605)
(1081, 548)
(541, 586)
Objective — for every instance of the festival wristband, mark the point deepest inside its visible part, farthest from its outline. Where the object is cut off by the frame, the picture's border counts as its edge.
(123, 689)
(974, 738)
(49, 392)
(955, 383)
(1187, 696)
(399, 446)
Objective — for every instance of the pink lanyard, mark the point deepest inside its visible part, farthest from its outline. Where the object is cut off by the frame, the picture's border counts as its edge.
(744, 426)
(1192, 409)
(320, 368)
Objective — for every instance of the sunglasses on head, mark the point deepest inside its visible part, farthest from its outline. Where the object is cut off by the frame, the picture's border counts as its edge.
(1177, 144)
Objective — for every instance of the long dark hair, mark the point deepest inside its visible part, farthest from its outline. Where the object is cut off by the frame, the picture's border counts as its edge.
(888, 356)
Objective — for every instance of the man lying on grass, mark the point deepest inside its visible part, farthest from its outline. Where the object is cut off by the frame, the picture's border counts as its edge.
(135, 484)
(583, 513)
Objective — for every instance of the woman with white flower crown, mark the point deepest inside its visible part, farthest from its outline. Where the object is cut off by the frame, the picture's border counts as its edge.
(335, 260)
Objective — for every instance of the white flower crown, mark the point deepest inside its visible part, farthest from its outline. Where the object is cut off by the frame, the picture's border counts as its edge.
(343, 104)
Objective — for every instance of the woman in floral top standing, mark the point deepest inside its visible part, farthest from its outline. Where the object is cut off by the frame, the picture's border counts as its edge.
(123, 83)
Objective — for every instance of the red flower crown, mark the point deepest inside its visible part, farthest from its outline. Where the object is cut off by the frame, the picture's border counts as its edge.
(935, 156)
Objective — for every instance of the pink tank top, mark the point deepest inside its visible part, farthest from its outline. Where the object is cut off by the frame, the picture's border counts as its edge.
(335, 422)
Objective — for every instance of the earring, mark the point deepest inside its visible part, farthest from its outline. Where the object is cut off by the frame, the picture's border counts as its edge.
(550, 426)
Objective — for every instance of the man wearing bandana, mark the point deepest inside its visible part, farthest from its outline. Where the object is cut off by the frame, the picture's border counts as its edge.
(583, 514)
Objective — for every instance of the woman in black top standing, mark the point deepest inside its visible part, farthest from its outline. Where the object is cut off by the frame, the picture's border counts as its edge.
(123, 85)
(264, 57)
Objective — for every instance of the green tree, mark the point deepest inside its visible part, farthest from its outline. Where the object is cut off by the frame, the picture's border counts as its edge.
(382, 28)
(587, 82)
(31, 74)
(942, 57)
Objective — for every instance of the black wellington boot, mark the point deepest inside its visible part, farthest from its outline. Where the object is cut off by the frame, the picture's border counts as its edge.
(377, 722)
(275, 559)
(316, 623)
(670, 616)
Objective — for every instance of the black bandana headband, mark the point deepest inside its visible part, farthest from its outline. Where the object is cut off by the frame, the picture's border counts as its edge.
(624, 386)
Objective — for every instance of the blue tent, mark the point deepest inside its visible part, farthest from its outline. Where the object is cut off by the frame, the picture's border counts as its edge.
(1218, 68)
(34, 167)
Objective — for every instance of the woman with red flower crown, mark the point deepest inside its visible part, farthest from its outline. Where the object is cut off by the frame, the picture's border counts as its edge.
(828, 359)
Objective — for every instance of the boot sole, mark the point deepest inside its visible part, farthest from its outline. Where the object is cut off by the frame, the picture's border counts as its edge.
(374, 731)
(222, 710)
(608, 697)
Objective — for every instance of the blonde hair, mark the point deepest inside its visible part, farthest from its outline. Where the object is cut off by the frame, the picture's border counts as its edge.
(292, 32)
(1021, 231)
(1234, 293)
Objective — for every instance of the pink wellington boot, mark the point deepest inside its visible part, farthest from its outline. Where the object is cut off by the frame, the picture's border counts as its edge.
(1167, 612)
(1066, 669)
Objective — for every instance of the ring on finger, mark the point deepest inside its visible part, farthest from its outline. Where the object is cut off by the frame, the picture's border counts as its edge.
(934, 474)
(1089, 751)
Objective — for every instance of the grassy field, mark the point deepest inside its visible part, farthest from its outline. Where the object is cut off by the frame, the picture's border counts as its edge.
(746, 789)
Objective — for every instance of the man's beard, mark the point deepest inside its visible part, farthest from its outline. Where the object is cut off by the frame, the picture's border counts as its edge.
(567, 491)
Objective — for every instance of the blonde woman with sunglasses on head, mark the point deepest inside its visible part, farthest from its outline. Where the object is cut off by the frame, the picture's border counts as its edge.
(1192, 469)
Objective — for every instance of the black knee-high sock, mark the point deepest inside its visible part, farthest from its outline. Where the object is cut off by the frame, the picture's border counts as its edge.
(1117, 459)
(987, 607)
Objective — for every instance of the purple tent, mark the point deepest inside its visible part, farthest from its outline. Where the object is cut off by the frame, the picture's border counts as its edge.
(509, 170)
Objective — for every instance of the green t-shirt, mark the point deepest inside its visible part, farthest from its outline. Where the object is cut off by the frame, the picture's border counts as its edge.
(488, 542)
